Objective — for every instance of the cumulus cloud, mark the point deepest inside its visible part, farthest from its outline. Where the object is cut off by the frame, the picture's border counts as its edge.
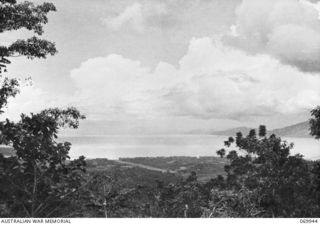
(286, 29)
(32, 99)
(136, 16)
(211, 81)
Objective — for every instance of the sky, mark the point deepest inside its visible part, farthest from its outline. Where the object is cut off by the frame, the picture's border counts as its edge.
(173, 66)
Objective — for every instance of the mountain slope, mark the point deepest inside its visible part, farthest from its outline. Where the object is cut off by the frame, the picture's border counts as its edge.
(296, 130)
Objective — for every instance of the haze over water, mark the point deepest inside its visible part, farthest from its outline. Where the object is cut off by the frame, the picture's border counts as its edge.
(115, 146)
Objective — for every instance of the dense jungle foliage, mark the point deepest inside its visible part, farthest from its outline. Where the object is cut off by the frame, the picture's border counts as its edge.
(260, 177)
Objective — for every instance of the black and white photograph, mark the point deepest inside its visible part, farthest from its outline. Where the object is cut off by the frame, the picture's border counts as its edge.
(159, 109)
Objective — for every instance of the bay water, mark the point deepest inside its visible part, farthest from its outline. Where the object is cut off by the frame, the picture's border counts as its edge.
(115, 146)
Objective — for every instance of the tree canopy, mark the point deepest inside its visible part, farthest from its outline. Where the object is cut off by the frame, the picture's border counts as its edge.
(261, 168)
(15, 16)
(315, 122)
(39, 180)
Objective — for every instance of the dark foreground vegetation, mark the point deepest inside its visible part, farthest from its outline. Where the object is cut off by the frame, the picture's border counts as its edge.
(259, 179)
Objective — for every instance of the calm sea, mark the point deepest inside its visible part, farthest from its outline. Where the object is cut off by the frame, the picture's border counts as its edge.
(115, 146)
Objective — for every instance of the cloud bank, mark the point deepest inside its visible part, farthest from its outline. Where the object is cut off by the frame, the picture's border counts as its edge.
(211, 81)
(288, 30)
(268, 65)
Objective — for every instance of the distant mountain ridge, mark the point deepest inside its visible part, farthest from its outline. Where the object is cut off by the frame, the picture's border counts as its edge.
(296, 130)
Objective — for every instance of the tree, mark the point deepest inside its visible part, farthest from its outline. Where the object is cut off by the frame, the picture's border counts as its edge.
(221, 152)
(315, 122)
(39, 180)
(14, 16)
(315, 131)
(262, 131)
(279, 184)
